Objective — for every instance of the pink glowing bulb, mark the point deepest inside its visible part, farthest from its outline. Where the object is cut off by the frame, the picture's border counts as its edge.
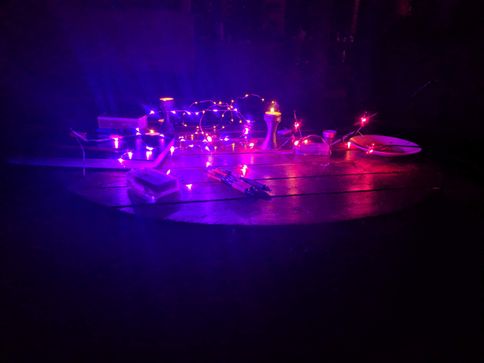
(189, 113)
(348, 145)
(149, 154)
(251, 145)
(243, 170)
(363, 120)
(209, 138)
(116, 142)
(152, 131)
(130, 155)
(172, 150)
(296, 125)
(306, 142)
(226, 138)
(207, 164)
(149, 148)
(246, 131)
(189, 186)
(121, 160)
(296, 143)
(138, 132)
(152, 112)
(168, 172)
(173, 112)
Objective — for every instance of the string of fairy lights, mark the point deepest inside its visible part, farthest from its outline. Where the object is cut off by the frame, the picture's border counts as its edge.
(207, 126)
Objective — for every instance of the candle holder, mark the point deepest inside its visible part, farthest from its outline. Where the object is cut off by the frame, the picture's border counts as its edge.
(272, 120)
(328, 137)
(167, 104)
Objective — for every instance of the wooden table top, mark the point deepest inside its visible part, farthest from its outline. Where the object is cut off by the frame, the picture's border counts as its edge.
(306, 189)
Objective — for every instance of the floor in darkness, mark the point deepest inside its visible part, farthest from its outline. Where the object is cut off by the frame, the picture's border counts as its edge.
(81, 282)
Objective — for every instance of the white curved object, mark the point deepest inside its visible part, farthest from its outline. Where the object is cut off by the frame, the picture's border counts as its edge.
(385, 145)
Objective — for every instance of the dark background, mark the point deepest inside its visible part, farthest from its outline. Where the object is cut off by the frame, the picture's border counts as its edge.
(82, 282)
(65, 62)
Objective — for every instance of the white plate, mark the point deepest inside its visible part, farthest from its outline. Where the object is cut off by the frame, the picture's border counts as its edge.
(385, 145)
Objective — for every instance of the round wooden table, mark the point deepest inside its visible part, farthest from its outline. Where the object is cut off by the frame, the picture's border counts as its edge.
(305, 189)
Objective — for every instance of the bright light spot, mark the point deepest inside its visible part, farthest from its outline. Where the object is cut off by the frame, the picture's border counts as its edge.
(196, 113)
(243, 170)
(215, 110)
(306, 142)
(152, 112)
(121, 160)
(248, 121)
(116, 142)
(246, 131)
(162, 135)
(149, 154)
(168, 172)
(348, 145)
(173, 112)
(130, 155)
(189, 113)
(296, 143)
(235, 110)
(207, 148)
(246, 95)
(189, 186)
(207, 164)
(226, 138)
(219, 102)
(137, 131)
(273, 109)
(364, 120)
(209, 138)
(152, 131)
(296, 125)
(251, 145)
(172, 150)
(149, 148)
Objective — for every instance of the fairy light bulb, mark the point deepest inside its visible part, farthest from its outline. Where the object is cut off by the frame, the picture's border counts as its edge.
(130, 155)
(172, 150)
(116, 142)
(243, 170)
